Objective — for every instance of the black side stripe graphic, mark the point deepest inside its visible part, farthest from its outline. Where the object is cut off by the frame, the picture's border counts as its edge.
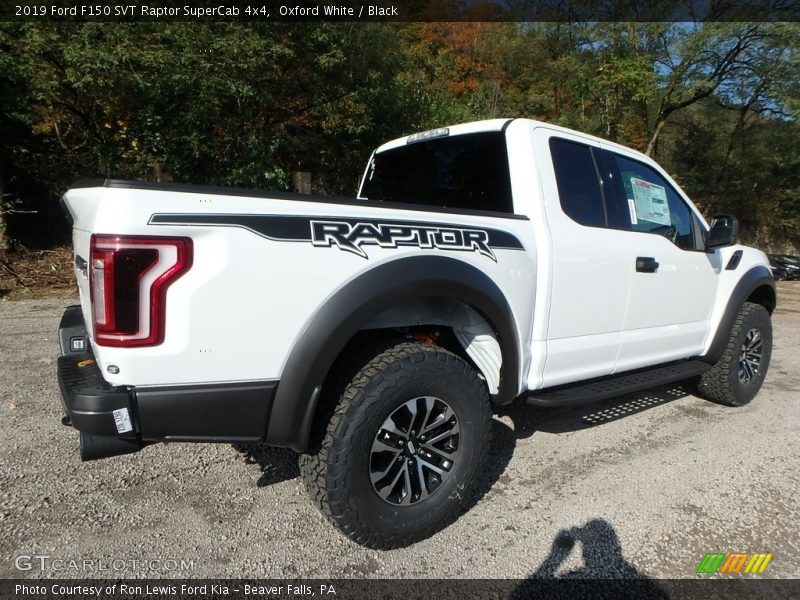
(353, 235)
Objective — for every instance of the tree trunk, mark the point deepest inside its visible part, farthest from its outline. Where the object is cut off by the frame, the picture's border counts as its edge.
(3, 236)
(651, 145)
(161, 174)
(301, 181)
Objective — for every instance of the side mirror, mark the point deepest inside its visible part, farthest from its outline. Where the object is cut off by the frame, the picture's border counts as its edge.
(724, 231)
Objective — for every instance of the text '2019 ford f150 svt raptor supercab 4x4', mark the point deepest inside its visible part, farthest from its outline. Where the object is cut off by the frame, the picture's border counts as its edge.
(377, 335)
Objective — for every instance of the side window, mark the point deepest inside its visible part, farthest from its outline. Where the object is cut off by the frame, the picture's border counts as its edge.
(578, 182)
(654, 205)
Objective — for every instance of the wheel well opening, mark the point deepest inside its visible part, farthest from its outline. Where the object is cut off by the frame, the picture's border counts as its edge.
(354, 355)
(453, 324)
(765, 296)
(430, 321)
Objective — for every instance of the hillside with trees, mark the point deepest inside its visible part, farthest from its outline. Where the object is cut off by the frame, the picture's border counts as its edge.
(250, 105)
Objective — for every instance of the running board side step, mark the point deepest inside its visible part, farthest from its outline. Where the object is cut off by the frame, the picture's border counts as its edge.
(602, 388)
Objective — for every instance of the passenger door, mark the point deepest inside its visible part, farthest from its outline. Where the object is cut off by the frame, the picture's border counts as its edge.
(673, 280)
(589, 262)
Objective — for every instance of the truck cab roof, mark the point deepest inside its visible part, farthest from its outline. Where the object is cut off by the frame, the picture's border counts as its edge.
(490, 125)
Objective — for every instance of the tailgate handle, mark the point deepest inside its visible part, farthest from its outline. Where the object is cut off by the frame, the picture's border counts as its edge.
(646, 264)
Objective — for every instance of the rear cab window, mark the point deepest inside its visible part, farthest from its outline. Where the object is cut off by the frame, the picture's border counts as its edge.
(579, 184)
(468, 171)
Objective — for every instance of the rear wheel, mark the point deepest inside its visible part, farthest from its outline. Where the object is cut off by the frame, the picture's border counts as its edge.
(737, 376)
(404, 448)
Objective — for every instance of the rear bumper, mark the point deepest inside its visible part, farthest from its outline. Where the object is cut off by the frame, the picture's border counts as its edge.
(215, 412)
(92, 405)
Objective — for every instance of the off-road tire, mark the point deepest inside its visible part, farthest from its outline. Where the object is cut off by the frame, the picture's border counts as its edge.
(336, 473)
(722, 383)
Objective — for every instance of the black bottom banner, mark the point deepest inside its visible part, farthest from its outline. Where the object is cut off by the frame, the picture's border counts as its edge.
(400, 589)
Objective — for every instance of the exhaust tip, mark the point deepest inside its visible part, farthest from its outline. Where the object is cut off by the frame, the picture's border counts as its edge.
(94, 447)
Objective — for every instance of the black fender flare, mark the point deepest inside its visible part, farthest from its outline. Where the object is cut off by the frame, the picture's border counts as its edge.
(752, 280)
(360, 300)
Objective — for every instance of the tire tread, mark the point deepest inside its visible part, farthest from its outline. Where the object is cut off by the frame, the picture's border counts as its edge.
(324, 472)
(717, 384)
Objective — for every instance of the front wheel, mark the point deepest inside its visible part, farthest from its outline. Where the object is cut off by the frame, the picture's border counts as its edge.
(404, 448)
(737, 376)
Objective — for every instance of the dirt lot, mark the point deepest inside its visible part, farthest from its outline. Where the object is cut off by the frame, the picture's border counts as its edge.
(643, 484)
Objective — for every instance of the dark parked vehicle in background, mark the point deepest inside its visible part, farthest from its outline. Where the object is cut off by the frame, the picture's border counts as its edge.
(784, 266)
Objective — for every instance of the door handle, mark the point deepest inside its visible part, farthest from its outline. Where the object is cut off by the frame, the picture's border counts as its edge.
(646, 264)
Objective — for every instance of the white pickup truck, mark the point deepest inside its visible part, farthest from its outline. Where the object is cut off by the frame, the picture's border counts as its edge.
(376, 335)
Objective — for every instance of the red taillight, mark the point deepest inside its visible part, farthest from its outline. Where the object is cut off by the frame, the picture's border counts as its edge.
(128, 279)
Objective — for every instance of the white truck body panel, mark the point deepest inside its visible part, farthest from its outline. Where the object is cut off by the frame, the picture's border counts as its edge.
(218, 317)
(584, 332)
(579, 308)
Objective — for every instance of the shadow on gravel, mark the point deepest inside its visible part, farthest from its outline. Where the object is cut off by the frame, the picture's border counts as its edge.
(600, 548)
(280, 464)
(276, 464)
(504, 440)
(530, 419)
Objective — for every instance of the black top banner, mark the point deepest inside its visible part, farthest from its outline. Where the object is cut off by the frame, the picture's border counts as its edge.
(401, 10)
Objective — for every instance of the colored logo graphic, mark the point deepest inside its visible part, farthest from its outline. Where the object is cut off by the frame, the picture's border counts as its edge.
(734, 562)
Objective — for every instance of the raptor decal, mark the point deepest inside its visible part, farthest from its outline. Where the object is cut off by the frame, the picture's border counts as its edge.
(351, 237)
(356, 235)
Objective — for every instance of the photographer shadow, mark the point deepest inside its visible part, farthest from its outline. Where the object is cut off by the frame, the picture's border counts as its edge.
(603, 560)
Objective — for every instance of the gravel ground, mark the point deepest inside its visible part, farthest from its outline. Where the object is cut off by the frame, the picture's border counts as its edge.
(643, 484)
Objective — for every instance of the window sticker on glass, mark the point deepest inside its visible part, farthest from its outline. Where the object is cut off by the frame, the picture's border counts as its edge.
(650, 201)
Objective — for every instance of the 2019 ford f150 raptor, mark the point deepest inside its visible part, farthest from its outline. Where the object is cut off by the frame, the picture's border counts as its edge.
(376, 335)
